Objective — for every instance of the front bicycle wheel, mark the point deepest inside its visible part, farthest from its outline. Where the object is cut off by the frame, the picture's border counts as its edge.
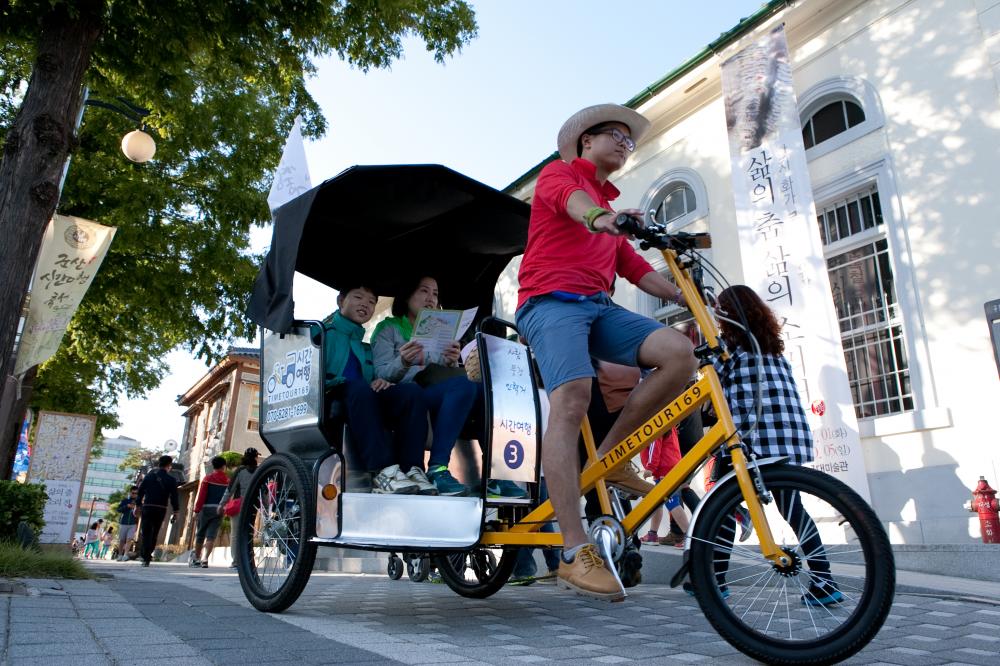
(821, 608)
(476, 573)
(275, 556)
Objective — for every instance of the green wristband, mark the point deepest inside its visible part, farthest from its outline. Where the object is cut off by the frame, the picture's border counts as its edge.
(591, 216)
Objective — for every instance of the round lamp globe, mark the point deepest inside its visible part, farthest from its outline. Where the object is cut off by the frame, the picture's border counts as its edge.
(138, 146)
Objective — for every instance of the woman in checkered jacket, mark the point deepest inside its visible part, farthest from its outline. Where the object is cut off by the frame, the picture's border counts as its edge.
(781, 429)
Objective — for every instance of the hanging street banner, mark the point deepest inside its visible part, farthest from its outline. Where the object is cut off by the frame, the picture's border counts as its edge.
(292, 175)
(59, 459)
(781, 248)
(72, 251)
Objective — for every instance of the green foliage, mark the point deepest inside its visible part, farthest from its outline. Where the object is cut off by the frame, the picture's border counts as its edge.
(138, 457)
(224, 81)
(21, 501)
(233, 459)
(18, 562)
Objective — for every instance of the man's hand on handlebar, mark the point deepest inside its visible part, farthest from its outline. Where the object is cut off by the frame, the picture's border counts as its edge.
(607, 224)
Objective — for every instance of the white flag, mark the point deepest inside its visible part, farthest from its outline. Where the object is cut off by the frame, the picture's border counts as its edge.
(292, 176)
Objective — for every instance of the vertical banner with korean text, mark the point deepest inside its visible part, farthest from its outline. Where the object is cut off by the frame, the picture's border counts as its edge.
(515, 434)
(72, 251)
(781, 248)
(59, 460)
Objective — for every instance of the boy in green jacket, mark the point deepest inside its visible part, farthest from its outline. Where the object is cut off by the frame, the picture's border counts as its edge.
(371, 404)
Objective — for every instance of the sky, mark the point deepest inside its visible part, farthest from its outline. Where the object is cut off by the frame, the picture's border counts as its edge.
(491, 112)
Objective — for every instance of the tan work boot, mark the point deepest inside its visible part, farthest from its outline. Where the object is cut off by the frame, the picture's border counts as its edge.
(587, 575)
(625, 478)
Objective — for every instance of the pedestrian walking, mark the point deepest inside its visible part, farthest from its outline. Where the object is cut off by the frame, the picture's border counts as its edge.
(155, 491)
(93, 539)
(237, 487)
(106, 540)
(206, 507)
(128, 517)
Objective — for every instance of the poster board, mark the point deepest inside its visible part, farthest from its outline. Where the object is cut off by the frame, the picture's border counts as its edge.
(59, 459)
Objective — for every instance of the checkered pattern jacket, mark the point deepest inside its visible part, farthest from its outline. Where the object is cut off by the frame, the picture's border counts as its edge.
(783, 429)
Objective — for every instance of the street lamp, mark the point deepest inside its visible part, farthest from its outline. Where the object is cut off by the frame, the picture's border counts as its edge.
(136, 145)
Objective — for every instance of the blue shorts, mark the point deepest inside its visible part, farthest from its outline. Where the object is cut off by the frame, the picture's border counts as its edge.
(565, 335)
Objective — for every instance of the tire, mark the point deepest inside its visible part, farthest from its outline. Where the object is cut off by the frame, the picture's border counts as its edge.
(395, 568)
(418, 569)
(476, 573)
(766, 615)
(276, 520)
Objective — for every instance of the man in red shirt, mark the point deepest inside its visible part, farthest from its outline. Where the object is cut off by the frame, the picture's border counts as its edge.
(206, 507)
(573, 255)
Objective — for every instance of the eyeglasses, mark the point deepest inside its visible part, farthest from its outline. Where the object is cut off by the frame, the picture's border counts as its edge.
(617, 136)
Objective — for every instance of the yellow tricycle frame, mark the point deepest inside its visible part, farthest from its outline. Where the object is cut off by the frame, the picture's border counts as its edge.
(707, 388)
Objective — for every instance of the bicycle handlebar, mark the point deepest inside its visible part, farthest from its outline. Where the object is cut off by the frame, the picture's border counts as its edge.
(655, 235)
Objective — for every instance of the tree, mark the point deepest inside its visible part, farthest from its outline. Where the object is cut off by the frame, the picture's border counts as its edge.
(111, 516)
(138, 458)
(224, 81)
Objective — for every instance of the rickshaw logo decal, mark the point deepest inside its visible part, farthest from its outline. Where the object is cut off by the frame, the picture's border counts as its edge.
(289, 379)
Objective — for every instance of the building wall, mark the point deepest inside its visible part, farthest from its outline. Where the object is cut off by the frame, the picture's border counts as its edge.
(103, 478)
(931, 67)
(220, 418)
(244, 430)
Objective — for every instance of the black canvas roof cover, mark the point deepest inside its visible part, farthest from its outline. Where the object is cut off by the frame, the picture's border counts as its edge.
(386, 226)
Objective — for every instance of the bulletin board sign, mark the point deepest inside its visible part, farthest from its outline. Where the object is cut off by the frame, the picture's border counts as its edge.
(59, 459)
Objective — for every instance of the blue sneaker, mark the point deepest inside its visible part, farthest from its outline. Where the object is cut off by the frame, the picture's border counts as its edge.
(822, 596)
(445, 483)
(497, 488)
(723, 590)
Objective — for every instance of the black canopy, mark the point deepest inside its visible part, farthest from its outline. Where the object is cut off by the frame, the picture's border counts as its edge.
(386, 226)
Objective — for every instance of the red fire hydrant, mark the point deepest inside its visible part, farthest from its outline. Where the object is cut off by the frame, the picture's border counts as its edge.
(984, 502)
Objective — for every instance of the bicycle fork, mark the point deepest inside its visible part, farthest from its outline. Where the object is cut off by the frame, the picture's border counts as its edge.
(755, 495)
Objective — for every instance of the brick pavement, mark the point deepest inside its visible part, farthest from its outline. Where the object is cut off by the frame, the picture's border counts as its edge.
(171, 613)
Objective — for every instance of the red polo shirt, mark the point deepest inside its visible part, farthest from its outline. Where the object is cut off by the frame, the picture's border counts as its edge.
(562, 254)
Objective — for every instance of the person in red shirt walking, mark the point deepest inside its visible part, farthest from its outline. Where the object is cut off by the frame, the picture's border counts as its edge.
(574, 253)
(206, 507)
(659, 458)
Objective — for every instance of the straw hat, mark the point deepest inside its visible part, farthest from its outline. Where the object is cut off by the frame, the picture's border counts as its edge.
(586, 118)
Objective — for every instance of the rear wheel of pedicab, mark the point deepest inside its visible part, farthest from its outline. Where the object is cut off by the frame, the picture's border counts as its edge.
(395, 568)
(476, 573)
(822, 607)
(276, 521)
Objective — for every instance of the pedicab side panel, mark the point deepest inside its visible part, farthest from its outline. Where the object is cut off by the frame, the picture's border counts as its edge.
(292, 413)
(291, 396)
(513, 433)
(410, 522)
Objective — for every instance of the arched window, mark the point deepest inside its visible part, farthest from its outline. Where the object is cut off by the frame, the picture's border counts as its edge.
(831, 120)
(676, 203)
(676, 199)
(837, 111)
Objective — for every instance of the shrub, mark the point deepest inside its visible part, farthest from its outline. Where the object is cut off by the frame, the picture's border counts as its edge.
(18, 562)
(233, 458)
(168, 551)
(21, 501)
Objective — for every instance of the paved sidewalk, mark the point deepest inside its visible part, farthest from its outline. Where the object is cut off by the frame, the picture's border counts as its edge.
(192, 616)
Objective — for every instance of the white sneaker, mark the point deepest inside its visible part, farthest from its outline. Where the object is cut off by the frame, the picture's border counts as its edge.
(392, 481)
(423, 484)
